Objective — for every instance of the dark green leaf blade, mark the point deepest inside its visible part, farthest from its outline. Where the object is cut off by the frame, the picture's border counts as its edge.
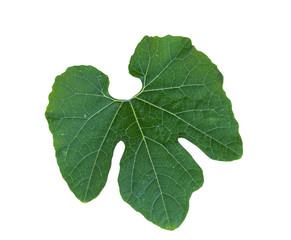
(80, 116)
(182, 96)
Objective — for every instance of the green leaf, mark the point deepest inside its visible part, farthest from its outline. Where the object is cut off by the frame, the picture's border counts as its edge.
(182, 97)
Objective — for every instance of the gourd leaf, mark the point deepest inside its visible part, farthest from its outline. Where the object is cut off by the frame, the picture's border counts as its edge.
(181, 97)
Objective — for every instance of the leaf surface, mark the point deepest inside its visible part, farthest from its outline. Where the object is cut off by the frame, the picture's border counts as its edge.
(182, 96)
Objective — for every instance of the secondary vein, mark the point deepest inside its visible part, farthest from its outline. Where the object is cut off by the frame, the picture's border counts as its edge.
(93, 115)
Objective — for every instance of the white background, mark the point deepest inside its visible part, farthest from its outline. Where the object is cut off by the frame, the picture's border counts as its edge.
(248, 40)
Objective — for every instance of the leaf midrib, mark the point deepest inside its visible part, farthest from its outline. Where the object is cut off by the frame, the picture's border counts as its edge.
(148, 152)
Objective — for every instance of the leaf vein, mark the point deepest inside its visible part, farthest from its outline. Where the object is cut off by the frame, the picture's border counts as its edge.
(91, 174)
(197, 129)
(148, 152)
